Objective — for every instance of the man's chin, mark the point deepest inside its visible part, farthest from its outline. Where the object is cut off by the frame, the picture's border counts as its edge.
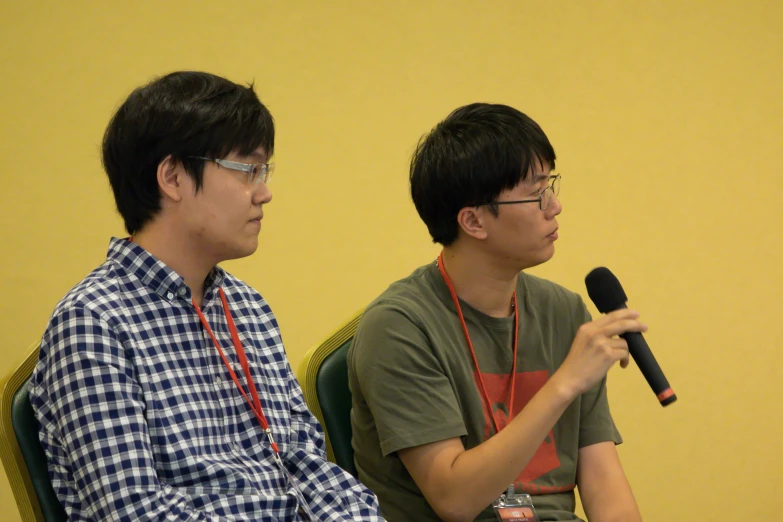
(539, 259)
(240, 251)
(249, 250)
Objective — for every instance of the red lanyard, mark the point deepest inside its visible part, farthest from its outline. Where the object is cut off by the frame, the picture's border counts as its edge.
(483, 389)
(255, 404)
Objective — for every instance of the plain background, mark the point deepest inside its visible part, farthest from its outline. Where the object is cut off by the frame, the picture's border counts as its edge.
(667, 118)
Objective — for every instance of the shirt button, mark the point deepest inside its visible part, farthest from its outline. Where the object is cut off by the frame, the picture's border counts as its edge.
(182, 291)
(218, 379)
(237, 448)
(170, 295)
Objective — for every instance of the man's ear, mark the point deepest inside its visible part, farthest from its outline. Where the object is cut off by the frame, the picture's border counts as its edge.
(169, 175)
(471, 221)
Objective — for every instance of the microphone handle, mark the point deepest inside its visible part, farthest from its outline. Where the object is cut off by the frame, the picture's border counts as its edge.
(646, 362)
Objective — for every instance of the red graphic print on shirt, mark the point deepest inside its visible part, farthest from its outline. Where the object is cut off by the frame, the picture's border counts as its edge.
(526, 386)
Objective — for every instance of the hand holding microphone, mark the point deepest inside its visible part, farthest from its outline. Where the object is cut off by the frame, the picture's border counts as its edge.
(608, 295)
(596, 348)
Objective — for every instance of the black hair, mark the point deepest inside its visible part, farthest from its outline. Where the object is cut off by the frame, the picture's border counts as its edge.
(182, 114)
(469, 158)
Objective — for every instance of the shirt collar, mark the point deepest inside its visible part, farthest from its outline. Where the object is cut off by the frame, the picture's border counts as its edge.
(154, 273)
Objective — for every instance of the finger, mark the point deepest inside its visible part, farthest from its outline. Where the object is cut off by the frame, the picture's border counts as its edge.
(618, 344)
(616, 315)
(623, 326)
(620, 348)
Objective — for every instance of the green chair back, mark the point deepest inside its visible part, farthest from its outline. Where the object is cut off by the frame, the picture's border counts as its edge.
(323, 375)
(26, 430)
(21, 451)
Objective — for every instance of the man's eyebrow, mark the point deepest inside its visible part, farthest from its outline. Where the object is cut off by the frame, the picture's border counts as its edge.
(539, 178)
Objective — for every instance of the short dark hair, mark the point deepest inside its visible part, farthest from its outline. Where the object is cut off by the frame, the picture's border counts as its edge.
(468, 159)
(182, 114)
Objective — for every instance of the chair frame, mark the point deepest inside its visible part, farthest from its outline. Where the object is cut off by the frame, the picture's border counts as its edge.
(10, 453)
(307, 371)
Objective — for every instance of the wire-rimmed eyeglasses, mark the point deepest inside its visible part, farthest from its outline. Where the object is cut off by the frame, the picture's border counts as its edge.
(256, 172)
(552, 189)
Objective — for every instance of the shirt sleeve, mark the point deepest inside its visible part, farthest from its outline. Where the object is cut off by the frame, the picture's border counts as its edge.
(332, 493)
(595, 423)
(91, 411)
(403, 382)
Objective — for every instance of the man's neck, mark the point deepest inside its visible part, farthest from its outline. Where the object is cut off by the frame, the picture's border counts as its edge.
(481, 281)
(178, 253)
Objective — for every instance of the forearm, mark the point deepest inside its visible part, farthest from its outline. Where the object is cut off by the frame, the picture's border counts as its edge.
(477, 477)
(613, 508)
(124, 484)
(161, 503)
(322, 480)
(344, 502)
(603, 487)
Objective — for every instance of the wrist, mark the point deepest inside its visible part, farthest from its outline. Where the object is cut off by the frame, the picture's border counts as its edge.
(562, 388)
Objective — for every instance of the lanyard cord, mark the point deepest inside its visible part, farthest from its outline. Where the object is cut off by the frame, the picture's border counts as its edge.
(482, 387)
(255, 404)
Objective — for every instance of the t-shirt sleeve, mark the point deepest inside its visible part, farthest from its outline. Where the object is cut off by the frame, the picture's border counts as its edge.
(595, 423)
(402, 381)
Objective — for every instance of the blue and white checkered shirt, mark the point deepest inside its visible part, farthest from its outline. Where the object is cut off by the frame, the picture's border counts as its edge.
(141, 421)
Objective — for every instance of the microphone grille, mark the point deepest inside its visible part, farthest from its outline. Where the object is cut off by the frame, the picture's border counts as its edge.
(605, 290)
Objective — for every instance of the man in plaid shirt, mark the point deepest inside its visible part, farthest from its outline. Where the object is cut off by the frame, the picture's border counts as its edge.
(162, 387)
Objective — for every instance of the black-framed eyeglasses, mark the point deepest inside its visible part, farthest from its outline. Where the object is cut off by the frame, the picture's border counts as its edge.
(256, 172)
(553, 189)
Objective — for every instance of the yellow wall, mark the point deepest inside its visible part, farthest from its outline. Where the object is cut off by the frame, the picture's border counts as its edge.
(667, 118)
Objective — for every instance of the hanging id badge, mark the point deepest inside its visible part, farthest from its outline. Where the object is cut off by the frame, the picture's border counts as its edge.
(515, 508)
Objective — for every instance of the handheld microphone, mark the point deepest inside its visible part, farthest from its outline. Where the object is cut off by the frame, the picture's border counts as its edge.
(606, 292)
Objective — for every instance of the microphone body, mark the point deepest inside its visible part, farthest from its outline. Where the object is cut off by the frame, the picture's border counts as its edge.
(606, 292)
(645, 360)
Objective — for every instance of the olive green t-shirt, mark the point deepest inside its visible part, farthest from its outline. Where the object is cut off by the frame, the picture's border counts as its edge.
(413, 382)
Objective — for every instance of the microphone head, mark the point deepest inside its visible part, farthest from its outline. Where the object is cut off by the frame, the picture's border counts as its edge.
(605, 290)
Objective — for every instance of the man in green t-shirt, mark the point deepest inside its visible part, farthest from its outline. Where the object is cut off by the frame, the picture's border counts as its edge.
(470, 375)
